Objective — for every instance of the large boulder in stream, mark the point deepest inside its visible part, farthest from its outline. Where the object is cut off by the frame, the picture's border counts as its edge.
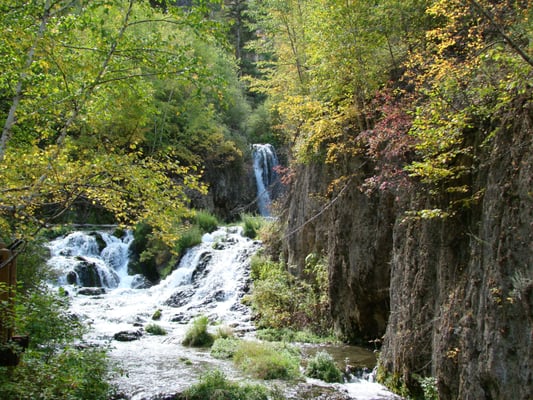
(127, 336)
(91, 291)
(88, 273)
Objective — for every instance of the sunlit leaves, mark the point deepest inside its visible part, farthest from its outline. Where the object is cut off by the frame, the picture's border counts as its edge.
(85, 103)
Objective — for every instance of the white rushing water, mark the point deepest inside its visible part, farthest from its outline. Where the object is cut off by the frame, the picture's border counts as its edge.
(210, 280)
(265, 161)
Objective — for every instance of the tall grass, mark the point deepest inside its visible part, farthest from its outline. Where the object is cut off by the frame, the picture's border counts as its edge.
(215, 386)
(322, 366)
(267, 360)
(197, 334)
(251, 225)
(206, 221)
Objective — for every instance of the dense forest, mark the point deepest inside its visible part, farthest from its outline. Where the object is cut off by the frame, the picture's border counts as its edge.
(405, 130)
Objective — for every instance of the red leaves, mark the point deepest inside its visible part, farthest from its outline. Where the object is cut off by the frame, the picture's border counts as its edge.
(388, 144)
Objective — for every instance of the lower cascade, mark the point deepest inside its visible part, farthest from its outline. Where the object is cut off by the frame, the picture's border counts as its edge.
(210, 280)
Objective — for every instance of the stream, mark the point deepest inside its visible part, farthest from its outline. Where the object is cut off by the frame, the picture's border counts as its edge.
(210, 280)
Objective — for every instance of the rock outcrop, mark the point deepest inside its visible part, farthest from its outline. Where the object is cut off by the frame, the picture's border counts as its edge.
(450, 297)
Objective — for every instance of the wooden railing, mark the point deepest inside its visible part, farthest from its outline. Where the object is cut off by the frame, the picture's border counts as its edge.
(10, 346)
(8, 282)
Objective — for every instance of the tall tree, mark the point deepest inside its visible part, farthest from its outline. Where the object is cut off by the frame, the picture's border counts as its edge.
(76, 106)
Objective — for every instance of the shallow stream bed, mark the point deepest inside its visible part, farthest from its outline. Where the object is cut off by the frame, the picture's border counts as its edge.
(210, 280)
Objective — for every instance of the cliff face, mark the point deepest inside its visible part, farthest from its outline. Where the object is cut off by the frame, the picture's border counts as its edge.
(453, 297)
(232, 189)
(462, 288)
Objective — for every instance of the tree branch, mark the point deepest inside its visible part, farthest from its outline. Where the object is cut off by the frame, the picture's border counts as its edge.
(486, 14)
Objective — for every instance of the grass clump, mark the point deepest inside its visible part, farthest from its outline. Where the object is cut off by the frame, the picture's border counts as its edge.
(267, 360)
(214, 385)
(190, 238)
(251, 225)
(322, 366)
(224, 348)
(156, 316)
(206, 221)
(197, 334)
(225, 332)
(155, 329)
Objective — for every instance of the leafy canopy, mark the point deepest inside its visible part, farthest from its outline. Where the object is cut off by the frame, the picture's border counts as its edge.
(78, 101)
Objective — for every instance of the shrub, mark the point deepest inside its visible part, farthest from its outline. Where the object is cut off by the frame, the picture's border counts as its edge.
(156, 316)
(79, 372)
(251, 225)
(155, 329)
(191, 237)
(197, 335)
(206, 221)
(214, 385)
(429, 387)
(267, 360)
(280, 300)
(322, 366)
(224, 348)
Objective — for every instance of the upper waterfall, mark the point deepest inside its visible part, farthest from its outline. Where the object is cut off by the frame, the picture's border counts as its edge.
(265, 161)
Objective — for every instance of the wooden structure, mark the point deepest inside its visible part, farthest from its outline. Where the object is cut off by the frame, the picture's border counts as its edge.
(8, 285)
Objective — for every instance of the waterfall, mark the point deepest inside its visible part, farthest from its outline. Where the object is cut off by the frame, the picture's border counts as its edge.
(210, 279)
(265, 160)
(94, 259)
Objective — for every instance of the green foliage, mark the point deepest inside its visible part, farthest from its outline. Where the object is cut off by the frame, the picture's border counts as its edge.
(264, 360)
(224, 348)
(191, 237)
(197, 334)
(215, 386)
(113, 108)
(67, 374)
(393, 381)
(148, 253)
(322, 366)
(280, 300)
(206, 221)
(79, 372)
(429, 387)
(155, 329)
(45, 317)
(251, 225)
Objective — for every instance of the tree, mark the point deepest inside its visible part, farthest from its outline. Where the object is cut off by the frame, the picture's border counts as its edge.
(77, 106)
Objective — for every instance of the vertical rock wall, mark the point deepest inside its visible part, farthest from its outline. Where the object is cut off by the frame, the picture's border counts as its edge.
(453, 297)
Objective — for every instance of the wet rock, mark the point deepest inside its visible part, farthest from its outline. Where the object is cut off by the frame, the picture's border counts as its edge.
(91, 291)
(127, 336)
(219, 295)
(166, 396)
(180, 298)
(87, 273)
(72, 278)
(219, 246)
(316, 392)
(201, 269)
(99, 241)
(140, 282)
(181, 318)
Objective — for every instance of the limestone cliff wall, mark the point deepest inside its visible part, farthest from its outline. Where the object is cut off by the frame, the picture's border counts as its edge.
(450, 297)
(232, 189)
